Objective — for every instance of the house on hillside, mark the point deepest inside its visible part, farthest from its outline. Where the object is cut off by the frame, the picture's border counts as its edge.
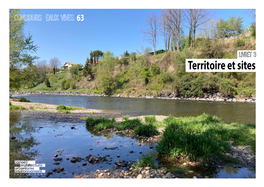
(68, 64)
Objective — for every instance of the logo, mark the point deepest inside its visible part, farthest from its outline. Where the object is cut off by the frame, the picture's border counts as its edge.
(28, 166)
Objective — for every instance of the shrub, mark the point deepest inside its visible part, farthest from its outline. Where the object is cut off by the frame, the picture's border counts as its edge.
(147, 160)
(74, 70)
(61, 107)
(73, 84)
(146, 74)
(23, 99)
(66, 109)
(227, 87)
(47, 82)
(67, 85)
(129, 124)
(63, 84)
(150, 119)
(239, 42)
(121, 78)
(146, 130)
(155, 70)
(125, 118)
(108, 85)
(95, 121)
(105, 125)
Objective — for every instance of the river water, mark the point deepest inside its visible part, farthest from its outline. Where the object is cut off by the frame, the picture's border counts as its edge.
(230, 112)
(40, 139)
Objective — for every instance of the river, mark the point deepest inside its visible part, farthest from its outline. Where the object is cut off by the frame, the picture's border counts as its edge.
(40, 140)
(229, 111)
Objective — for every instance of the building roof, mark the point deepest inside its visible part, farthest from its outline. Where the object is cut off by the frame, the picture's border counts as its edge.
(71, 63)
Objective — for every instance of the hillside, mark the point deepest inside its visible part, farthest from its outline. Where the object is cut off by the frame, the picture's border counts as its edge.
(165, 72)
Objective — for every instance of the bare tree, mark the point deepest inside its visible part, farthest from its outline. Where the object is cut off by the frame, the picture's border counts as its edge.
(151, 29)
(54, 63)
(174, 24)
(42, 67)
(252, 12)
(164, 30)
(195, 18)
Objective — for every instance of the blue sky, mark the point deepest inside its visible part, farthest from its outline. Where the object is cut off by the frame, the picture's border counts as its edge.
(116, 30)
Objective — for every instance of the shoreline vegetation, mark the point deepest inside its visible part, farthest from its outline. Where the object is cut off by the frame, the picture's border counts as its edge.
(202, 140)
(164, 95)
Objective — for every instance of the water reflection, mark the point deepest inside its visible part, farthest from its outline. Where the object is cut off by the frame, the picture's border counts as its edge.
(21, 141)
(41, 144)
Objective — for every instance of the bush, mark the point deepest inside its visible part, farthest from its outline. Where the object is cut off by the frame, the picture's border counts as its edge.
(105, 125)
(146, 130)
(23, 99)
(239, 42)
(227, 87)
(96, 121)
(108, 85)
(121, 78)
(146, 74)
(129, 124)
(66, 109)
(67, 85)
(150, 119)
(73, 84)
(155, 70)
(74, 70)
(147, 160)
(125, 118)
(63, 84)
(47, 82)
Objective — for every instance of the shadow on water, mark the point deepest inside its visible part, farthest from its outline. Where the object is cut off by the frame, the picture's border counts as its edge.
(41, 140)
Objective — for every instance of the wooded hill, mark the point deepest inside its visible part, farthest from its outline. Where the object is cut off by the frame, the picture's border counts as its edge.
(165, 72)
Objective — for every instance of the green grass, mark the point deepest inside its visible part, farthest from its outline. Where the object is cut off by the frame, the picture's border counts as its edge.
(129, 124)
(204, 137)
(150, 119)
(15, 107)
(159, 56)
(95, 121)
(100, 123)
(146, 130)
(125, 118)
(66, 109)
(147, 160)
(105, 125)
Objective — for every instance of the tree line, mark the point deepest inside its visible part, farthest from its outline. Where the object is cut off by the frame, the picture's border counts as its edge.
(169, 23)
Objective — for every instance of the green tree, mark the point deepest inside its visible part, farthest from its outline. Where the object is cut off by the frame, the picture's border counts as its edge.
(133, 56)
(252, 29)
(74, 70)
(87, 70)
(47, 82)
(96, 55)
(146, 74)
(21, 48)
(105, 71)
(230, 28)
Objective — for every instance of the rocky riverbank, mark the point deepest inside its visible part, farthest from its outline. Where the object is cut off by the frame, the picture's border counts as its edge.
(124, 168)
(163, 95)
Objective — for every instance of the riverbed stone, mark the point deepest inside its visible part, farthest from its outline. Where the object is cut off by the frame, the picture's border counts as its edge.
(84, 164)
(139, 176)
